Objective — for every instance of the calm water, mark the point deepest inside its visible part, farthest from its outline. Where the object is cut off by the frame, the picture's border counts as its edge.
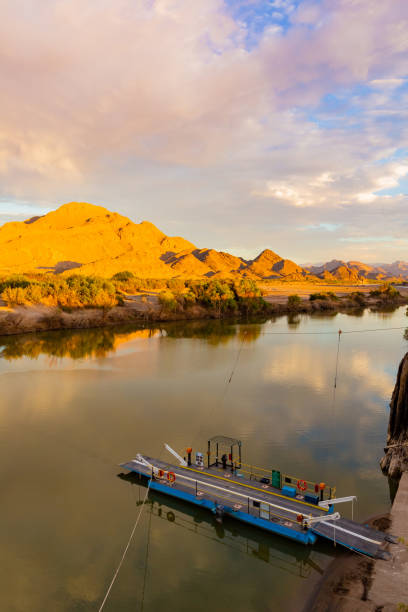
(74, 405)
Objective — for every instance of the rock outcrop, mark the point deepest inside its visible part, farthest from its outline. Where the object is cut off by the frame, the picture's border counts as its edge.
(395, 460)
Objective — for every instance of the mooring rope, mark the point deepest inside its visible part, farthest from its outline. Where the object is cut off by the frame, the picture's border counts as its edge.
(115, 575)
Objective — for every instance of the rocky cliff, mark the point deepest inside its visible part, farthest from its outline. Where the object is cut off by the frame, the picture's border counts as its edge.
(395, 460)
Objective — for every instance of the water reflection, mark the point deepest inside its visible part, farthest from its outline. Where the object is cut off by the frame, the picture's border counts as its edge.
(134, 389)
(100, 342)
(278, 552)
(74, 344)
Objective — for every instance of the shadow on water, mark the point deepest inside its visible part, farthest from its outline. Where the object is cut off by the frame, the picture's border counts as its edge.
(276, 551)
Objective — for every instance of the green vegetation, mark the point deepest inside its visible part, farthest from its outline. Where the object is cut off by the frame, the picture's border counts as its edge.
(294, 301)
(213, 297)
(74, 291)
(224, 297)
(386, 292)
(127, 282)
(358, 297)
(317, 296)
(326, 295)
(175, 295)
(168, 301)
(123, 276)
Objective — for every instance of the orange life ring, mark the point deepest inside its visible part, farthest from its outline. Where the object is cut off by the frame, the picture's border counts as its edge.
(302, 485)
(160, 473)
(299, 518)
(171, 477)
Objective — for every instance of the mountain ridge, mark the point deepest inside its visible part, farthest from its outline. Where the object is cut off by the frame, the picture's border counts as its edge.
(90, 239)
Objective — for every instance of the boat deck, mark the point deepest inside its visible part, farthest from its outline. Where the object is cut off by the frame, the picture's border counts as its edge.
(259, 504)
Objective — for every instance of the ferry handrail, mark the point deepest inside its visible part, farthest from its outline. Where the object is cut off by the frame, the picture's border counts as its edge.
(254, 469)
(285, 518)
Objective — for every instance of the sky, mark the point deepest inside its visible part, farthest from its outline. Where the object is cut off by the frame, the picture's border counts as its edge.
(238, 124)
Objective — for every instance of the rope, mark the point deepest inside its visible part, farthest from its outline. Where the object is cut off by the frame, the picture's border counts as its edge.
(337, 359)
(146, 559)
(115, 575)
(323, 333)
(226, 386)
(237, 359)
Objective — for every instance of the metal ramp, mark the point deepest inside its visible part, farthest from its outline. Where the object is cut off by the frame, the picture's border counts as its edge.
(354, 536)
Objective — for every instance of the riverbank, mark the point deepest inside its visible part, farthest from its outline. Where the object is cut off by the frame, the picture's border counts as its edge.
(146, 307)
(353, 583)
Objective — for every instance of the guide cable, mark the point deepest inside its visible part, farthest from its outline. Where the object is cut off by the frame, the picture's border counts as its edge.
(115, 575)
(146, 558)
(321, 333)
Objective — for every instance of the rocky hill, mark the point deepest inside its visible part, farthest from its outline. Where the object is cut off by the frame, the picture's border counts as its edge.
(92, 240)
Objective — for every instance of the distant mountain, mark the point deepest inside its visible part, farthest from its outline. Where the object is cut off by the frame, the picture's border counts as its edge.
(355, 271)
(92, 240)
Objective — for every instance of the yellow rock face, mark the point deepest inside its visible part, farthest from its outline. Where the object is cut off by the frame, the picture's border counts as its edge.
(92, 240)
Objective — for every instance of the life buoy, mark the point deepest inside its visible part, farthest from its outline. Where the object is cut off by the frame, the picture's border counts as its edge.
(299, 518)
(160, 473)
(171, 477)
(302, 485)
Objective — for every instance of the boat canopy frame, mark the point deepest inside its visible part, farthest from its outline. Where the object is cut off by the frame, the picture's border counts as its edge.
(224, 443)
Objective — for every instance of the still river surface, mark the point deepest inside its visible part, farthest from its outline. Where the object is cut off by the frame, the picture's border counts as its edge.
(76, 404)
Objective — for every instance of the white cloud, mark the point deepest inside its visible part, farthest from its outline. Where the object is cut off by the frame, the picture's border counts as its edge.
(158, 108)
(387, 83)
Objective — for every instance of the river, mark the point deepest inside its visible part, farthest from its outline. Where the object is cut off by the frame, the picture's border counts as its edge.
(76, 404)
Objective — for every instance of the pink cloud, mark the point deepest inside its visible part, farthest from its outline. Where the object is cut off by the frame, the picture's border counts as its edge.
(94, 91)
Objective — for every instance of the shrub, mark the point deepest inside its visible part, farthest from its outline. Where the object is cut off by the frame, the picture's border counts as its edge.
(386, 291)
(16, 281)
(14, 296)
(176, 285)
(123, 276)
(358, 297)
(294, 301)
(332, 296)
(168, 301)
(317, 296)
(72, 292)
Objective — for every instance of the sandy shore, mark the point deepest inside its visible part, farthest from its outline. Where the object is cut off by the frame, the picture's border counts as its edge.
(280, 292)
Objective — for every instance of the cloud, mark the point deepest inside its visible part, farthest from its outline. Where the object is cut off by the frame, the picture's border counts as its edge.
(163, 106)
